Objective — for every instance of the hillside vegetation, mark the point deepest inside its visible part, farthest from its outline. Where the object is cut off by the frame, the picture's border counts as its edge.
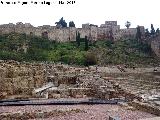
(21, 47)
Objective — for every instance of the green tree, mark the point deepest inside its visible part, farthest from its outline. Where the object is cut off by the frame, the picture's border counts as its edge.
(62, 23)
(111, 35)
(138, 34)
(71, 24)
(78, 39)
(152, 30)
(147, 34)
(86, 43)
(157, 31)
(90, 59)
(128, 24)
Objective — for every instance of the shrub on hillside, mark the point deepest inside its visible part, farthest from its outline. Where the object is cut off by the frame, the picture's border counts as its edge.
(90, 59)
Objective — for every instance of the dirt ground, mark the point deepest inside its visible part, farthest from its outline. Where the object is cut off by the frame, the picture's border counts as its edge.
(79, 112)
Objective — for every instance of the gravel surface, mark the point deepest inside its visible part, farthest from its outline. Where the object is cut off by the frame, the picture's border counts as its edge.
(87, 112)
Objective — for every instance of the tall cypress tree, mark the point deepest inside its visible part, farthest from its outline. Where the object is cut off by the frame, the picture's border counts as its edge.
(157, 31)
(71, 24)
(78, 39)
(138, 34)
(86, 43)
(152, 30)
(147, 34)
(62, 23)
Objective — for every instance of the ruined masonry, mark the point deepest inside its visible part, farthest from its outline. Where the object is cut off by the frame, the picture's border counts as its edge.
(30, 80)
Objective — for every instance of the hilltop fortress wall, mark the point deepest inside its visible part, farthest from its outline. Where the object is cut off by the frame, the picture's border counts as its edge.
(93, 32)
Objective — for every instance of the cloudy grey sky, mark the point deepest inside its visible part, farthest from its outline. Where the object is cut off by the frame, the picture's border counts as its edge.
(138, 12)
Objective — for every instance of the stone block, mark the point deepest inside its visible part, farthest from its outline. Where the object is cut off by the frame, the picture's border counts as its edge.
(114, 118)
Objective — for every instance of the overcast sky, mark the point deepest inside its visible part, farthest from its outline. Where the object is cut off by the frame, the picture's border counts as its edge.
(138, 12)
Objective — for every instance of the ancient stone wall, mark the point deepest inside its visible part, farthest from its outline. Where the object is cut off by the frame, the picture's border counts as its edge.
(103, 33)
(7, 28)
(61, 35)
(128, 32)
(84, 32)
(19, 78)
(93, 32)
(155, 45)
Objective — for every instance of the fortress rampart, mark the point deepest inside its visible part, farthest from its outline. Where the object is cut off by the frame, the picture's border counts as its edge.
(93, 32)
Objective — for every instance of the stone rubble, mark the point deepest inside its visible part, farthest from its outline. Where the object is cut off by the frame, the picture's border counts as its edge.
(23, 78)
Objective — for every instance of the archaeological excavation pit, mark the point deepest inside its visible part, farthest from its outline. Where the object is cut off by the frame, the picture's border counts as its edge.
(35, 86)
